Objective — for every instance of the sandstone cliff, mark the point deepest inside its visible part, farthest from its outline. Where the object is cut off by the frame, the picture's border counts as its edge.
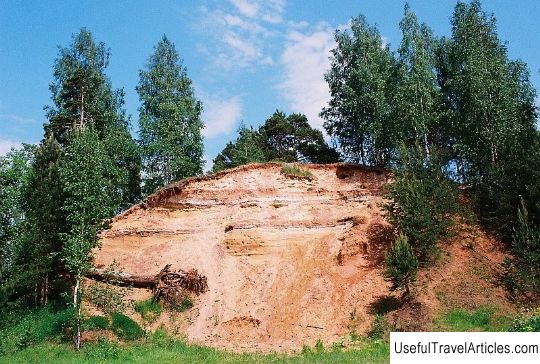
(288, 261)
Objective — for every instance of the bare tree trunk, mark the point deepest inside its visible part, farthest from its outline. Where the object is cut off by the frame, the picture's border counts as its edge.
(46, 288)
(36, 295)
(82, 108)
(77, 306)
(42, 293)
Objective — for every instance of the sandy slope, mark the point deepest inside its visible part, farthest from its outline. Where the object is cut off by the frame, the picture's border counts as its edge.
(288, 261)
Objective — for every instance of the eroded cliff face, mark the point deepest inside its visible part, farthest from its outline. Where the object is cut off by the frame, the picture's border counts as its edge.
(288, 261)
(291, 261)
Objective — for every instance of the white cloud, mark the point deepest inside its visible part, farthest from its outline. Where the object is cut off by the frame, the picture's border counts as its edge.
(17, 118)
(246, 49)
(221, 115)
(269, 11)
(247, 8)
(240, 31)
(208, 163)
(305, 59)
(6, 145)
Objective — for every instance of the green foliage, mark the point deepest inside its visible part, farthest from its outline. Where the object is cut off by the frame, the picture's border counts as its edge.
(460, 96)
(481, 319)
(46, 220)
(526, 249)
(149, 309)
(170, 120)
(401, 265)
(22, 329)
(15, 268)
(359, 114)
(423, 200)
(294, 171)
(185, 304)
(82, 95)
(281, 138)
(163, 349)
(97, 322)
(319, 346)
(380, 329)
(107, 298)
(87, 204)
(492, 115)
(248, 148)
(125, 328)
(291, 139)
(527, 323)
(416, 96)
(102, 350)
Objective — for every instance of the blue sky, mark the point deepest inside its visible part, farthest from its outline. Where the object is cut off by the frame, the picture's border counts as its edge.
(246, 57)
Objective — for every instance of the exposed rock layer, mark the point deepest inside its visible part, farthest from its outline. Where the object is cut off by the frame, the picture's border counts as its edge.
(287, 260)
(291, 261)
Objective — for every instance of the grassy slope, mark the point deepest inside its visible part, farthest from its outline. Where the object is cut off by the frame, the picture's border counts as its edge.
(178, 352)
(158, 347)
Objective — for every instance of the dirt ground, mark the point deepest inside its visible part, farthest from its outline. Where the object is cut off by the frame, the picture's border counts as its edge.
(288, 261)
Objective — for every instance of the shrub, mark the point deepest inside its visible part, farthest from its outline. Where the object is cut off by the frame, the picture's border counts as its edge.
(526, 249)
(125, 328)
(293, 171)
(102, 350)
(185, 304)
(97, 322)
(529, 323)
(24, 328)
(149, 309)
(107, 298)
(401, 265)
(379, 328)
(319, 346)
(422, 200)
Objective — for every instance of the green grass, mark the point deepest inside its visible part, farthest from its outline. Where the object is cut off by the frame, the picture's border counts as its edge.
(44, 336)
(97, 322)
(39, 337)
(23, 329)
(481, 319)
(158, 348)
(184, 305)
(125, 328)
(291, 170)
(528, 322)
(149, 309)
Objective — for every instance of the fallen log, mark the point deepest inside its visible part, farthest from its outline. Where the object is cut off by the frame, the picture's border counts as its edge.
(166, 285)
(121, 278)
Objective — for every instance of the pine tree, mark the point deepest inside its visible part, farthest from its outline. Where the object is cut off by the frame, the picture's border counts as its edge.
(361, 84)
(291, 139)
(170, 120)
(82, 94)
(82, 99)
(44, 197)
(422, 201)
(526, 249)
(401, 265)
(247, 148)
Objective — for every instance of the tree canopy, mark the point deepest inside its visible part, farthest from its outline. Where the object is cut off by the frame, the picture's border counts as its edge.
(169, 119)
(283, 138)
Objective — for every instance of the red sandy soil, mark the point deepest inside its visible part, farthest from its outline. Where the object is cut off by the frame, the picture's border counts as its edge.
(289, 261)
